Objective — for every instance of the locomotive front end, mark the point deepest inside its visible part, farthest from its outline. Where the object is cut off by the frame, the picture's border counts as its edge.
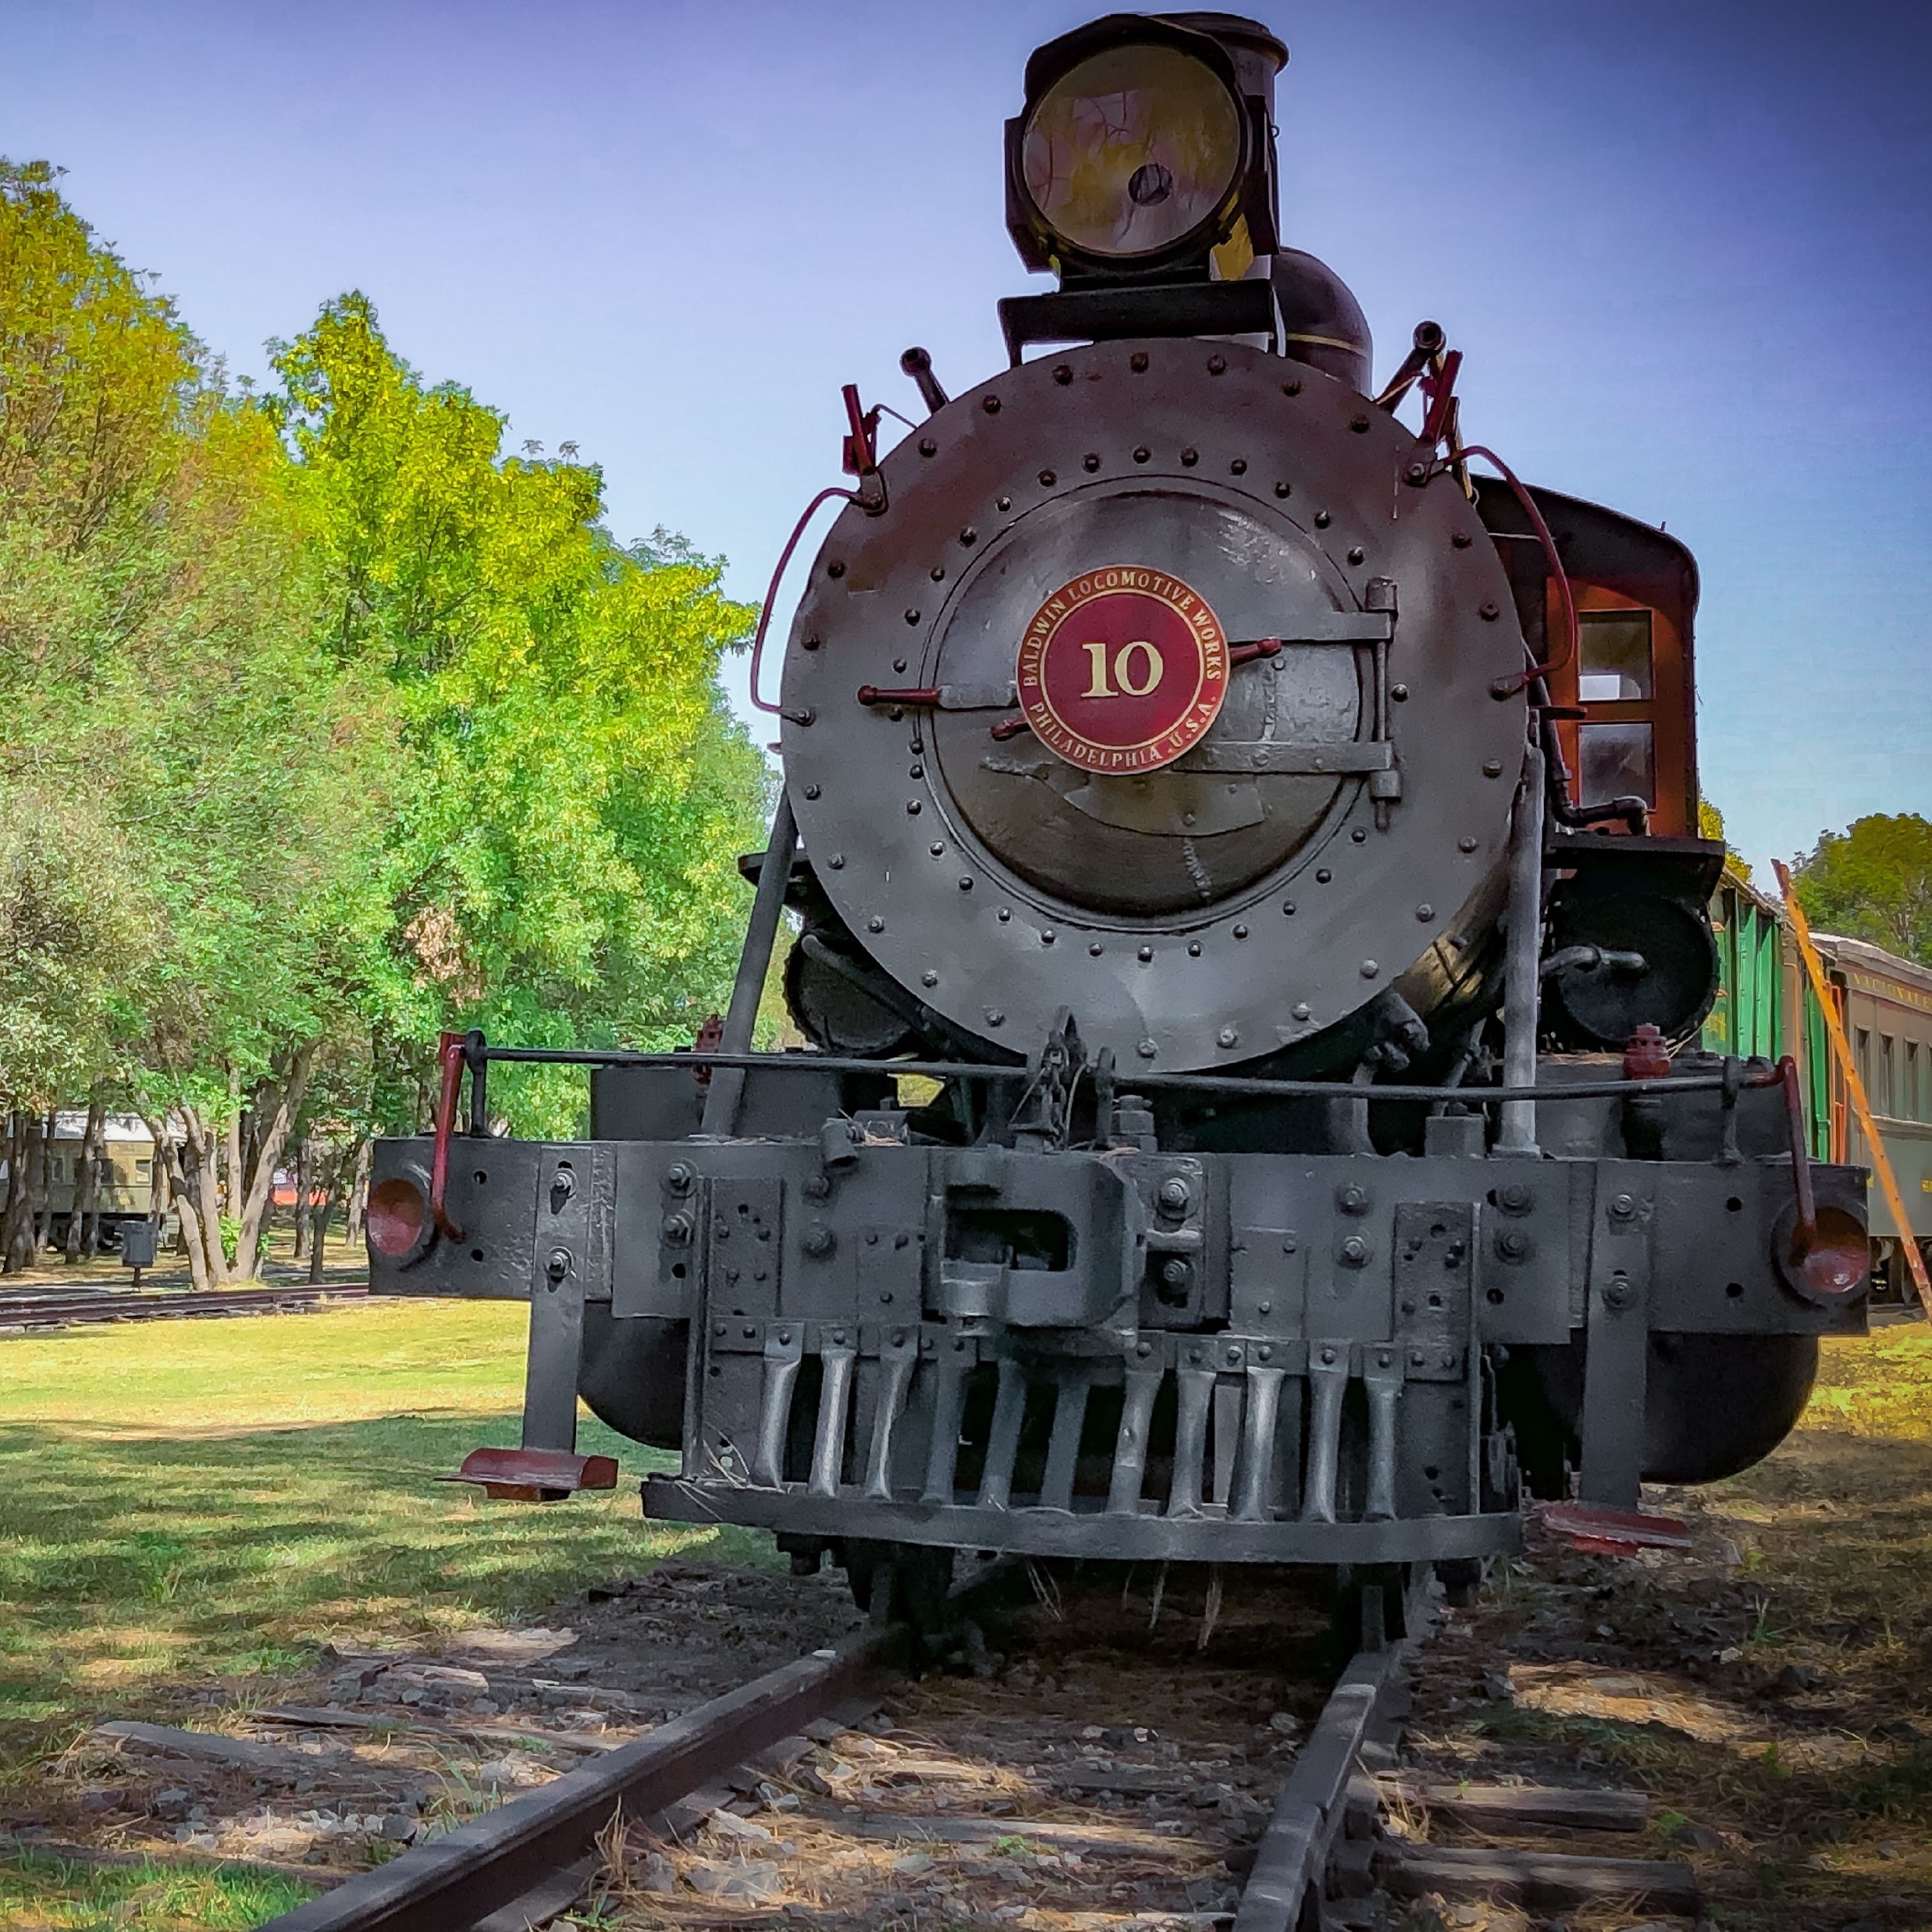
(1246, 1117)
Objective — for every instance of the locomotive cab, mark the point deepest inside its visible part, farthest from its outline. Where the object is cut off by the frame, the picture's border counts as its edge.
(1249, 927)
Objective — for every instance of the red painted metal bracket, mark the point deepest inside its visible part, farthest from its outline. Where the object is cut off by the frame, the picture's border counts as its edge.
(1604, 1532)
(450, 1056)
(534, 1475)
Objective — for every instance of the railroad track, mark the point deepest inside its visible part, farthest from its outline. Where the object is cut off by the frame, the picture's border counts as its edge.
(694, 1806)
(78, 1307)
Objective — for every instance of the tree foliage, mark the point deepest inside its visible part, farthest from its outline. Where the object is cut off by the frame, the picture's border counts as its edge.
(1873, 881)
(326, 725)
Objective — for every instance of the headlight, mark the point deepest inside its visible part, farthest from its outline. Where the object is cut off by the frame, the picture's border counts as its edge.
(1132, 151)
(1143, 146)
(397, 1221)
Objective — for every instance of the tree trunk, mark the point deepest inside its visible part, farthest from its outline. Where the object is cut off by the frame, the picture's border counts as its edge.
(16, 1192)
(300, 1167)
(359, 1190)
(274, 1132)
(319, 1237)
(26, 1167)
(43, 1178)
(169, 1153)
(83, 1216)
(232, 1191)
(200, 1180)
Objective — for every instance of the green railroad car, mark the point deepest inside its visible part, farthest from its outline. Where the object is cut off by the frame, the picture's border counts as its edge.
(1765, 1005)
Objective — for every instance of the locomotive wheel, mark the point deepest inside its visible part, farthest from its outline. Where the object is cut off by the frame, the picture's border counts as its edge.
(917, 1575)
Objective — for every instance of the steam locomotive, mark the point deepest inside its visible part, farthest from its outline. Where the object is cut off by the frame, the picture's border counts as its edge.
(1245, 904)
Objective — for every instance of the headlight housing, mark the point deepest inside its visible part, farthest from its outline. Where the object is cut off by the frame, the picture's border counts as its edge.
(1138, 155)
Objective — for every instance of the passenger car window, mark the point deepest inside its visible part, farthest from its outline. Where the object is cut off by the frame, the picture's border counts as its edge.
(1617, 762)
(1613, 656)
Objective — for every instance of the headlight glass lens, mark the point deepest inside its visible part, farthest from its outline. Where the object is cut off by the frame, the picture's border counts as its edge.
(1132, 149)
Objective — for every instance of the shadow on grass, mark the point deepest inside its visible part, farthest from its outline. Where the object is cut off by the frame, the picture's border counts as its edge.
(134, 1566)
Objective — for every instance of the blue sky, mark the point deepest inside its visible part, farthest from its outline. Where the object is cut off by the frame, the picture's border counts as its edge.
(1685, 248)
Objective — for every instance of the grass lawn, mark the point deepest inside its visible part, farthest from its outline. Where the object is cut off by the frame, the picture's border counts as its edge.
(47, 1894)
(194, 1505)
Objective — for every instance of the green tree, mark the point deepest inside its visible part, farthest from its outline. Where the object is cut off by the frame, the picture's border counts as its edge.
(324, 725)
(1873, 881)
(572, 791)
(189, 819)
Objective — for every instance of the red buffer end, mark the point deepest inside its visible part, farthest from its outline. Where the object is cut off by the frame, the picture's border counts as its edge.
(1612, 1532)
(534, 1475)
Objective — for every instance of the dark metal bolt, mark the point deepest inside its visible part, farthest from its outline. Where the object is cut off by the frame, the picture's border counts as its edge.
(817, 1186)
(1175, 1272)
(834, 568)
(1048, 478)
(1416, 473)
(1190, 458)
(927, 446)
(1138, 361)
(1359, 425)
(1618, 1293)
(558, 1267)
(681, 1177)
(1174, 1195)
(1623, 1206)
(1291, 389)
(1462, 539)
(1355, 1251)
(1062, 374)
(1351, 1199)
(1090, 460)
(1488, 612)
(1512, 1244)
(677, 1230)
(990, 404)
(820, 1241)
(1217, 364)
(1516, 1198)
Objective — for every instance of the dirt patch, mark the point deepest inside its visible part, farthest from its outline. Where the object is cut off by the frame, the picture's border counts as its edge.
(1770, 1689)
(1090, 1761)
(383, 1747)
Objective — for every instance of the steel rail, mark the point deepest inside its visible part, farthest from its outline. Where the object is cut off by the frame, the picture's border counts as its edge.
(449, 1883)
(62, 1307)
(1234, 1084)
(1291, 1862)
